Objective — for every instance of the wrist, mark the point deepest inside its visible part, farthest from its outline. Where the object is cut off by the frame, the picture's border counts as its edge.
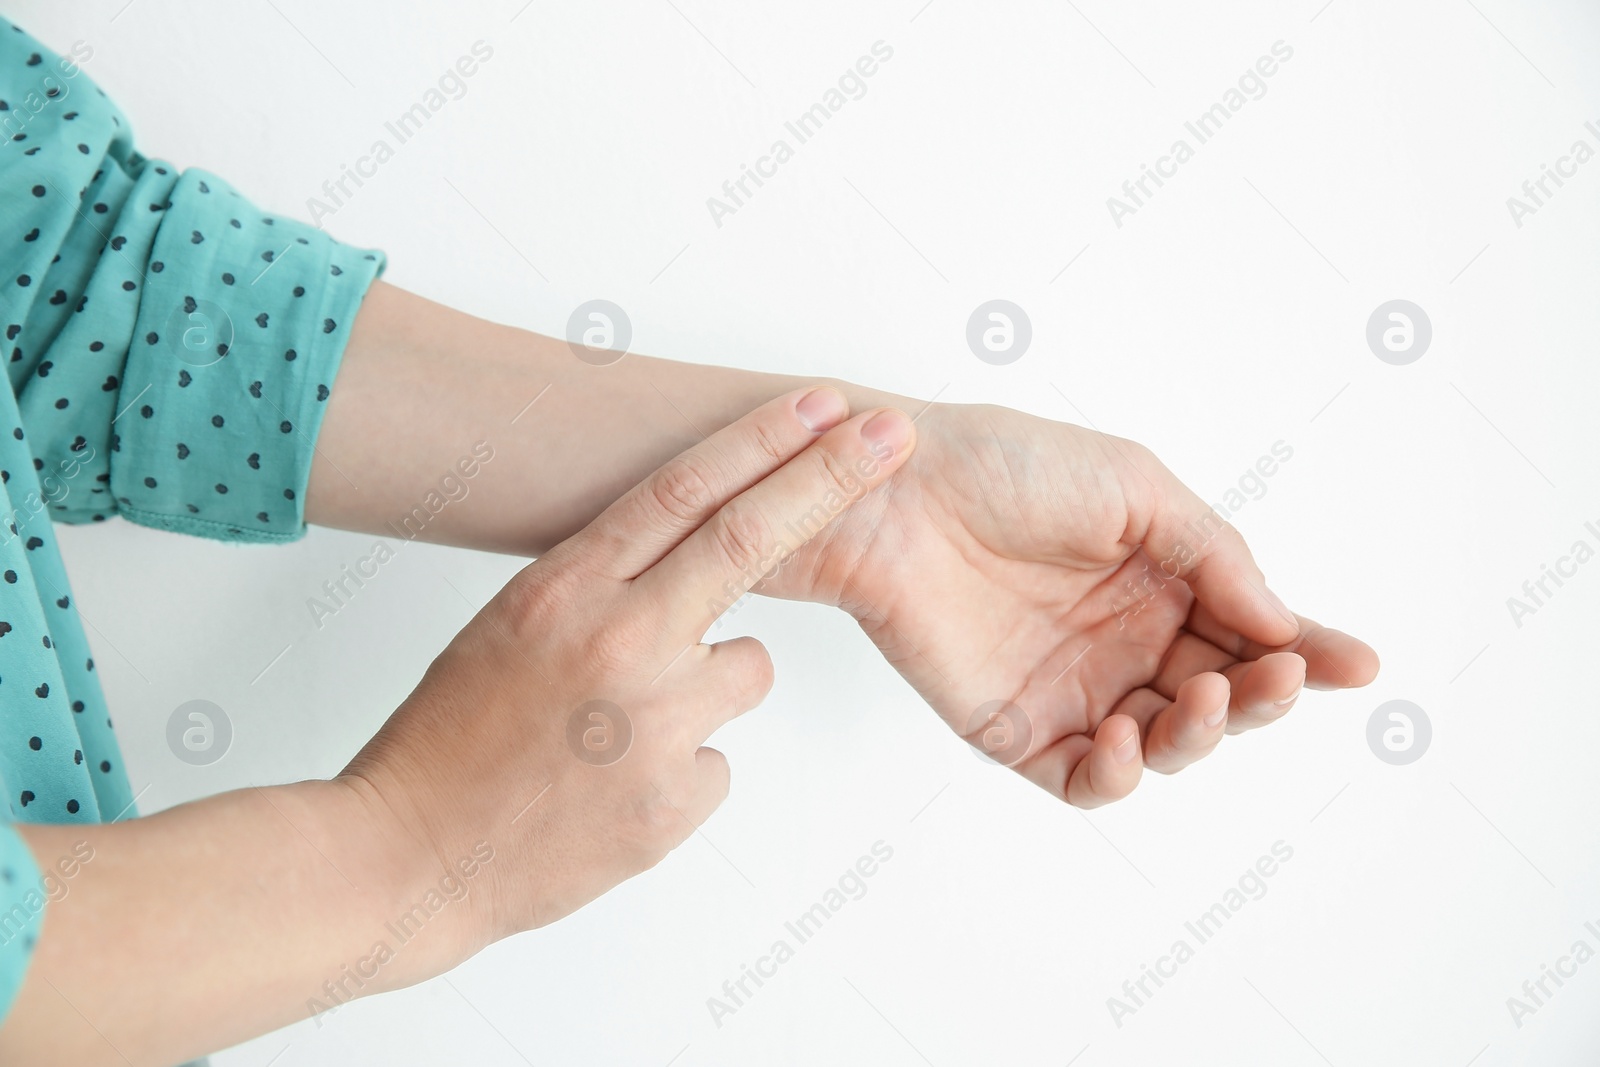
(823, 571)
(864, 398)
(414, 909)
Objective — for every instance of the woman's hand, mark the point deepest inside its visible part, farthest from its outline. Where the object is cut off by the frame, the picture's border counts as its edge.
(1067, 604)
(1010, 546)
(564, 726)
(500, 796)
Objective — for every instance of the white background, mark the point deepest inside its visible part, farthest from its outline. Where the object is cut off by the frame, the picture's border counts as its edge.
(1226, 315)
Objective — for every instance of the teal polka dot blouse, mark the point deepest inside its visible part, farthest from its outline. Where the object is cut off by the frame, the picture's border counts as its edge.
(170, 350)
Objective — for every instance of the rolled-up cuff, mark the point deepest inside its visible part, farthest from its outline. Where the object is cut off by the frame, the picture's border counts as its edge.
(241, 326)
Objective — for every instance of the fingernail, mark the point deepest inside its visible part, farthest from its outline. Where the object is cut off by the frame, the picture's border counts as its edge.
(1216, 717)
(887, 432)
(822, 409)
(1128, 749)
(1287, 700)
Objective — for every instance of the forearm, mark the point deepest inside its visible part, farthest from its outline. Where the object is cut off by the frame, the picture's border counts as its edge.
(422, 385)
(194, 929)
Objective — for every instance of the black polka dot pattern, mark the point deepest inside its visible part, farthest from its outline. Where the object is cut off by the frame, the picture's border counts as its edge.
(230, 348)
(171, 352)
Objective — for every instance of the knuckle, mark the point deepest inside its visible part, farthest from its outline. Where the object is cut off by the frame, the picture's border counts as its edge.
(839, 474)
(659, 824)
(535, 595)
(612, 651)
(743, 536)
(836, 487)
(769, 442)
(682, 489)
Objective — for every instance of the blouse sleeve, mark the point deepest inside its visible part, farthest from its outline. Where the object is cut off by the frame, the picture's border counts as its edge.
(172, 347)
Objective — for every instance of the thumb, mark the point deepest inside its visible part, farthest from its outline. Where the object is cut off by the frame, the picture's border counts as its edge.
(1189, 540)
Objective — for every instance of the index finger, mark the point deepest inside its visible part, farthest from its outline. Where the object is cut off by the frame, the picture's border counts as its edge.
(653, 517)
(757, 531)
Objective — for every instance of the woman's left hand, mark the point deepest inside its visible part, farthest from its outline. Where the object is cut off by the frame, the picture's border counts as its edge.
(1065, 603)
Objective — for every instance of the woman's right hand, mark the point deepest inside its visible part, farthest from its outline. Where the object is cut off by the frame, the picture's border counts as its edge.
(563, 728)
(499, 797)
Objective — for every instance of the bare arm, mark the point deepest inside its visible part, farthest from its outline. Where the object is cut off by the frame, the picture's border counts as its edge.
(487, 805)
(1010, 549)
(422, 384)
(188, 931)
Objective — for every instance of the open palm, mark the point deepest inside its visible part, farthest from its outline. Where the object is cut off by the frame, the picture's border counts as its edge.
(1066, 604)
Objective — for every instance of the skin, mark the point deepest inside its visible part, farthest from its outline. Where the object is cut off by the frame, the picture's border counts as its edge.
(197, 944)
(1057, 596)
(1007, 548)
